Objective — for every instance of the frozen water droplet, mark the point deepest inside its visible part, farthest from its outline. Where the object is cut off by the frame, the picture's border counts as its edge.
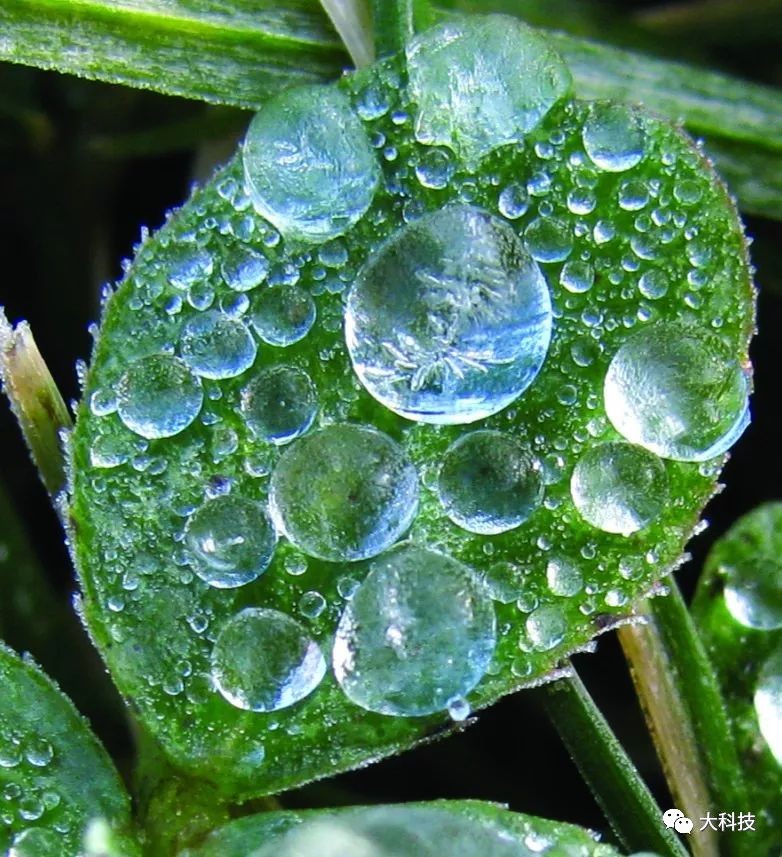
(546, 627)
(653, 284)
(232, 540)
(308, 164)
(283, 315)
(613, 137)
(418, 632)
(768, 703)
(244, 269)
(618, 487)
(577, 277)
(158, 396)
(480, 82)
(548, 240)
(563, 577)
(264, 660)
(214, 345)
(435, 169)
(279, 404)
(678, 391)
(346, 492)
(513, 201)
(450, 320)
(489, 482)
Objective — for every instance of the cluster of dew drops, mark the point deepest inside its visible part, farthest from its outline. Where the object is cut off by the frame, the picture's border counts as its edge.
(447, 322)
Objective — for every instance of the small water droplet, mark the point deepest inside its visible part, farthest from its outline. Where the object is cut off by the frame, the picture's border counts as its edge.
(513, 201)
(548, 239)
(264, 660)
(563, 577)
(653, 284)
(309, 167)
(158, 396)
(283, 315)
(216, 346)
(418, 632)
(489, 482)
(346, 492)
(577, 277)
(279, 404)
(312, 604)
(244, 269)
(435, 169)
(546, 627)
(613, 137)
(232, 541)
(618, 487)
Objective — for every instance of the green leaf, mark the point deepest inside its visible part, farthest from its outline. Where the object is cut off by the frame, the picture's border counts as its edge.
(640, 248)
(738, 609)
(409, 830)
(245, 51)
(56, 777)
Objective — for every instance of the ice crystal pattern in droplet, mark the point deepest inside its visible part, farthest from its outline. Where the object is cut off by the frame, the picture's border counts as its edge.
(489, 483)
(158, 396)
(308, 165)
(482, 82)
(450, 320)
(232, 541)
(677, 391)
(264, 660)
(418, 633)
(346, 492)
(618, 487)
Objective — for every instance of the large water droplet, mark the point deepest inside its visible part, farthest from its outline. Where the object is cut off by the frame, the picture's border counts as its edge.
(450, 320)
(489, 482)
(481, 82)
(677, 391)
(618, 487)
(283, 315)
(418, 632)
(158, 396)
(768, 703)
(613, 137)
(279, 404)
(263, 660)
(232, 540)
(308, 164)
(214, 345)
(346, 492)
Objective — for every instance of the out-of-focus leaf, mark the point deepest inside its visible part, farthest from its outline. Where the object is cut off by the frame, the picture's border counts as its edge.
(738, 609)
(55, 776)
(460, 828)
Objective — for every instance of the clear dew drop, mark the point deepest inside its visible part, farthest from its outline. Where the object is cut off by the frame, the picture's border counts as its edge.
(279, 404)
(344, 493)
(677, 391)
(548, 239)
(653, 284)
(244, 269)
(613, 137)
(450, 320)
(158, 396)
(216, 346)
(283, 315)
(264, 660)
(618, 487)
(546, 627)
(481, 82)
(309, 167)
(418, 632)
(563, 577)
(435, 169)
(577, 277)
(232, 541)
(312, 604)
(768, 703)
(489, 482)
(513, 201)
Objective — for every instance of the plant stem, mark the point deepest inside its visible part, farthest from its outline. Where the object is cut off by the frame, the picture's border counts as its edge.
(608, 771)
(35, 401)
(352, 20)
(681, 699)
(395, 21)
